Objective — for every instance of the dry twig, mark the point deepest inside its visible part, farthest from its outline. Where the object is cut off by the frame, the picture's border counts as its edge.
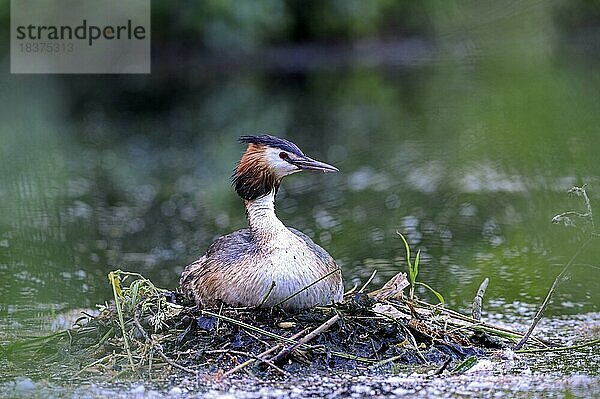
(260, 355)
(308, 337)
(250, 355)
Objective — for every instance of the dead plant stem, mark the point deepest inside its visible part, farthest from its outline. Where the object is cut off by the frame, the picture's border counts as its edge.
(113, 279)
(544, 305)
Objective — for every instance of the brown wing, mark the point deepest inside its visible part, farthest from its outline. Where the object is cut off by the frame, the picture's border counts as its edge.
(223, 253)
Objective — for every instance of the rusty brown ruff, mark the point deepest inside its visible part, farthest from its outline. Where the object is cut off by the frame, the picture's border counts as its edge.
(253, 177)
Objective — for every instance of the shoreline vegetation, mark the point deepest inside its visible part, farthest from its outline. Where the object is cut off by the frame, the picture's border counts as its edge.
(147, 330)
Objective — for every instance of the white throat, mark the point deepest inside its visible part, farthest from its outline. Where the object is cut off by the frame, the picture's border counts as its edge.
(261, 217)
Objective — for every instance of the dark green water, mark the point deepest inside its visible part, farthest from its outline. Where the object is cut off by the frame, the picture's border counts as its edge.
(469, 151)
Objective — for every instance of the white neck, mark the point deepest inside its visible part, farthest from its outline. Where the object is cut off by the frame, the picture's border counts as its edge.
(261, 217)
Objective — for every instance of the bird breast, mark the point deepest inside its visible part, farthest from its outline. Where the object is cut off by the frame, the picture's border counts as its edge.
(282, 267)
(244, 271)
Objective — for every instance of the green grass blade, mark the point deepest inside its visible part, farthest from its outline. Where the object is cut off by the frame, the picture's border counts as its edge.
(416, 264)
(434, 292)
(407, 247)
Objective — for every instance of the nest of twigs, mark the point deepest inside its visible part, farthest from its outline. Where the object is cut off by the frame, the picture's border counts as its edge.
(148, 329)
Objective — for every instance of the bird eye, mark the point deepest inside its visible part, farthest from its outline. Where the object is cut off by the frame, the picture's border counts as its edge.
(283, 155)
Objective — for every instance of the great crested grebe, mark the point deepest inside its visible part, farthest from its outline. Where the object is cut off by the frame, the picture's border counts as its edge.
(268, 262)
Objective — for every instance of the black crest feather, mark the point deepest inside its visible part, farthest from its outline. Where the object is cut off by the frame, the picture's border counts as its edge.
(272, 141)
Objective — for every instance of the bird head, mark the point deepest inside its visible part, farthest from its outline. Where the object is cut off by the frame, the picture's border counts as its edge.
(266, 161)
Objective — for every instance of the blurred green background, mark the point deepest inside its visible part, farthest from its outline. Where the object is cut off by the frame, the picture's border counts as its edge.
(461, 124)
